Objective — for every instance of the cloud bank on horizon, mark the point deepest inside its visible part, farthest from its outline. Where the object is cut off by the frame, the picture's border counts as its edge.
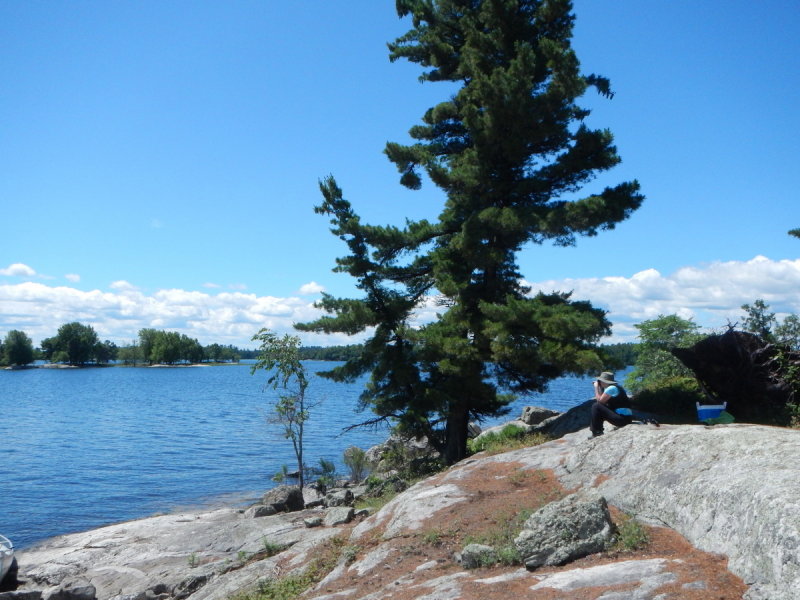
(711, 295)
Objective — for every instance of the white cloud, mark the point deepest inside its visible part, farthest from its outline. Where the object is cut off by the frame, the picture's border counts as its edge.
(710, 294)
(212, 286)
(73, 277)
(18, 270)
(119, 314)
(312, 287)
(123, 286)
(237, 286)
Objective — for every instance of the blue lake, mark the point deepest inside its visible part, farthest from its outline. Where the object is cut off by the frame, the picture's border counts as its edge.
(81, 448)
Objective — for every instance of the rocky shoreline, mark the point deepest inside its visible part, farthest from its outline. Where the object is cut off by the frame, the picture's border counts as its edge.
(730, 493)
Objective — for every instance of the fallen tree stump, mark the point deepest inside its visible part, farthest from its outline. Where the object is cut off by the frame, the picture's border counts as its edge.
(752, 375)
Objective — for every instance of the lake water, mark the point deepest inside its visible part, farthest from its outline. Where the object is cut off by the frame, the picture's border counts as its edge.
(81, 448)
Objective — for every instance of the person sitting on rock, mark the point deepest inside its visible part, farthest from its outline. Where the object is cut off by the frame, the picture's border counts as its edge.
(611, 404)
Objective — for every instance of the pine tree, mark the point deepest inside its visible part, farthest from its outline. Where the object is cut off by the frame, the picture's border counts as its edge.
(510, 150)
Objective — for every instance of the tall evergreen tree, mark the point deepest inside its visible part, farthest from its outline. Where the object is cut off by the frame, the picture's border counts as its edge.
(511, 151)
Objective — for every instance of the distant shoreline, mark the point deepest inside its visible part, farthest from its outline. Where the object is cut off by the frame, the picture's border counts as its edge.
(93, 366)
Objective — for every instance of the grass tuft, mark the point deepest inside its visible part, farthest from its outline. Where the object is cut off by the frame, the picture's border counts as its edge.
(511, 437)
(631, 534)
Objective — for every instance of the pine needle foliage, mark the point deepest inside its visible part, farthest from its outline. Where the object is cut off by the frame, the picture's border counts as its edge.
(510, 151)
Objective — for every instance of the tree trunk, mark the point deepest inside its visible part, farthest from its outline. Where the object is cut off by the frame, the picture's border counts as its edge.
(456, 433)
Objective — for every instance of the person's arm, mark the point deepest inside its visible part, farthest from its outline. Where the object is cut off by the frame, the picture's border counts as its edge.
(599, 393)
(608, 392)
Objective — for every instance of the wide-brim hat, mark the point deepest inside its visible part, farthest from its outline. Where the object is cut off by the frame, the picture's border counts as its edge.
(607, 377)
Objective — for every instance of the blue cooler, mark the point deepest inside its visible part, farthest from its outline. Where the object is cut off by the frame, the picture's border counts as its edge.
(709, 411)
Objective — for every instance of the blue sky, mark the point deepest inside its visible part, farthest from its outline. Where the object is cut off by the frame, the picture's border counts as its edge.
(159, 161)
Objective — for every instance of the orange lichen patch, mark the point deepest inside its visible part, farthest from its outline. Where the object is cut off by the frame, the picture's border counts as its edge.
(498, 493)
(419, 564)
(600, 479)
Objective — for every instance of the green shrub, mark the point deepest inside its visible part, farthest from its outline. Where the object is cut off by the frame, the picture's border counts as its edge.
(272, 548)
(508, 438)
(501, 537)
(281, 475)
(325, 473)
(673, 399)
(631, 534)
(355, 459)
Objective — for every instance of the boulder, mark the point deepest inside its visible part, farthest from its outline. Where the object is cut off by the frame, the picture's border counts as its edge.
(497, 429)
(190, 585)
(21, 595)
(564, 530)
(398, 449)
(260, 510)
(478, 555)
(381, 483)
(339, 497)
(338, 515)
(284, 498)
(575, 419)
(729, 489)
(312, 497)
(533, 415)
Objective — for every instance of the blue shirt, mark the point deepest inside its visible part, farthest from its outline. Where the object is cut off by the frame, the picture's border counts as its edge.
(613, 391)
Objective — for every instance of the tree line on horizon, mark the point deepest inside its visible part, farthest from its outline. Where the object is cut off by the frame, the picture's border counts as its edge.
(78, 344)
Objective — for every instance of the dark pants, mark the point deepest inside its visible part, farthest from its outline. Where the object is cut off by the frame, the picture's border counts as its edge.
(600, 413)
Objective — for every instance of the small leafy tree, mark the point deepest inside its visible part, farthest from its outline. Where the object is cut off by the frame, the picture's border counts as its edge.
(654, 363)
(759, 320)
(280, 358)
(788, 332)
(764, 323)
(16, 349)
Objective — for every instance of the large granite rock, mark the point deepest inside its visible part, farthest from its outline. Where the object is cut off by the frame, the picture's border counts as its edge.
(382, 457)
(575, 419)
(204, 555)
(284, 498)
(562, 531)
(535, 419)
(533, 415)
(731, 490)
